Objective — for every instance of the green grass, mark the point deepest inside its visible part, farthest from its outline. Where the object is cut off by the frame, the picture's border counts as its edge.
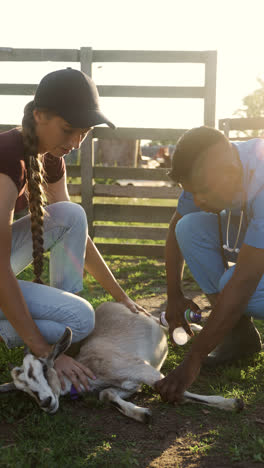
(75, 436)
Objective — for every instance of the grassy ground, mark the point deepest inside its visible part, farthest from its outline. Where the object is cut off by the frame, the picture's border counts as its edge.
(86, 433)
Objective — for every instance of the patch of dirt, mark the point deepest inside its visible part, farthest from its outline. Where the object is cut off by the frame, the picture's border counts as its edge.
(157, 303)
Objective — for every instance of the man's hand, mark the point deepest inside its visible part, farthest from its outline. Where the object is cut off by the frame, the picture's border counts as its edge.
(175, 314)
(171, 388)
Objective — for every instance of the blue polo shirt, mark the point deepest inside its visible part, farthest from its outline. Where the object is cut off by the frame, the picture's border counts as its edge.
(251, 154)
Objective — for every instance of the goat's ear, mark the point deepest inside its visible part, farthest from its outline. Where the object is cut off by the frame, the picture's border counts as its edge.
(62, 345)
(7, 387)
(26, 350)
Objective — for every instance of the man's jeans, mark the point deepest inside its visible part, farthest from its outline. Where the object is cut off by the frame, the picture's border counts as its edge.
(198, 238)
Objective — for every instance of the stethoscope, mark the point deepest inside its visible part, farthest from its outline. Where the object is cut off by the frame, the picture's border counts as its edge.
(243, 212)
(227, 246)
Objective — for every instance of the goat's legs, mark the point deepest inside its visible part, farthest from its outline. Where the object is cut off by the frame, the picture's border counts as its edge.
(143, 373)
(151, 375)
(116, 395)
(227, 404)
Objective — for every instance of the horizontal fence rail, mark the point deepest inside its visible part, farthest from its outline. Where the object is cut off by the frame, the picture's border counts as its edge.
(16, 89)
(130, 213)
(133, 232)
(138, 185)
(8, 54)
(139, 133)
(242, 124)
(152, 91)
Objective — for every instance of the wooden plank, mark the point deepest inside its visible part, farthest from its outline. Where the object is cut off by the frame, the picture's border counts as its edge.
(73, 170)
(241, 138)
(130, 232)
(17, 89)
(139, 133)
(74, 189)
(210, 89)
(226, 128)
(130, 213)
(129, 133)
(243, 123)
(152, 91)
(130, 173)
(73, 55)
(101, 190)
(87, 155)
(150, 56)
(8, 54)
(135, 250)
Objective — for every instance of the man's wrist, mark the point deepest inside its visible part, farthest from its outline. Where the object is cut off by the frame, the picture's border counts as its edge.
(174, 294)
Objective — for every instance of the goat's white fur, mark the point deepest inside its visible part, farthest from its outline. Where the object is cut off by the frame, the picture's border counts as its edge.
(124, 351)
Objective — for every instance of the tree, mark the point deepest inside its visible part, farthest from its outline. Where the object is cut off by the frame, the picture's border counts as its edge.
(253, 106)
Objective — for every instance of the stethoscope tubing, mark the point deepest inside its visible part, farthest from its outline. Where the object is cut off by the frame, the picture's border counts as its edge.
(226, 246)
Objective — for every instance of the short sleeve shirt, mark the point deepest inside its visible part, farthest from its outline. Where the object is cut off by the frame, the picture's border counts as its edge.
(12, 163)
(251, 154)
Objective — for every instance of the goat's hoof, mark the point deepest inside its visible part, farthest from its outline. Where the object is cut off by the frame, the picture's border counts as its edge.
(147, 416)
(239, 404)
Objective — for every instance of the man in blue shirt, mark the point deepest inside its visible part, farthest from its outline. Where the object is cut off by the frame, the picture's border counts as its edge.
(219, 219)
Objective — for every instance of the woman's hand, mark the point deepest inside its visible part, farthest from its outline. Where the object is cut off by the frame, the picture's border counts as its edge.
(172, 387)
(76, 372)
(175, 314)
(135, 308)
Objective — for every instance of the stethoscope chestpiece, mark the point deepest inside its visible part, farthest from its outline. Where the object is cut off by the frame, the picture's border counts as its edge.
(229, 249)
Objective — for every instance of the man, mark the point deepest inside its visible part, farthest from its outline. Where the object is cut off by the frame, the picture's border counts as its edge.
(222, 204)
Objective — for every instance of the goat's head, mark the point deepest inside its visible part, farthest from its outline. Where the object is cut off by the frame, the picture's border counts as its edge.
(38, 378)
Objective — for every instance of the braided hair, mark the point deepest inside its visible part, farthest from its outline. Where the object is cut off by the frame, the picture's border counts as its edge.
(35, 180)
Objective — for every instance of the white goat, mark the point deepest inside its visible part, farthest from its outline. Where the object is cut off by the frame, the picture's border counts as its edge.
(124, 351)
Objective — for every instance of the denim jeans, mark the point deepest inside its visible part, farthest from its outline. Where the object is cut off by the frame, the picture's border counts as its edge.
(198, 238)
(53, 307)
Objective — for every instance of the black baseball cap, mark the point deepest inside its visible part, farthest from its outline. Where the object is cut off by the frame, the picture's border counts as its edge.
(72, 95)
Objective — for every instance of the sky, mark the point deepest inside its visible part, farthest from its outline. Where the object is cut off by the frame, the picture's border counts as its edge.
(234, 28)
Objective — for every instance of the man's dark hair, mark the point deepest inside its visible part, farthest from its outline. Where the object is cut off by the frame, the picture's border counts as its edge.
(188, 149)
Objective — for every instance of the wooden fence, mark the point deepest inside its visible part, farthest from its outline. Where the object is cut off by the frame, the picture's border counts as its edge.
(241, 125)
(98, 213)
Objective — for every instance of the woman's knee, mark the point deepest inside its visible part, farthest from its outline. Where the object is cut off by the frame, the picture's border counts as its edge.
(197, 229)
(86, 319)
(68, 214)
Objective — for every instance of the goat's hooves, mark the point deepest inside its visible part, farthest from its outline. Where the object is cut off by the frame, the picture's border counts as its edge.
(239, 404)
(147, 416)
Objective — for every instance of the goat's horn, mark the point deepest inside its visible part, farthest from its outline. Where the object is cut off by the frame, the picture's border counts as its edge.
(7, 387)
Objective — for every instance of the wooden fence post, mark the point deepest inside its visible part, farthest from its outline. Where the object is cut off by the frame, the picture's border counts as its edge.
(210, 88)
(226, 128)
(87, 155)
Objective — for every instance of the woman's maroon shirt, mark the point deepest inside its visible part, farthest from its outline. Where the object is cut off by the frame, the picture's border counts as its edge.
(12, 163)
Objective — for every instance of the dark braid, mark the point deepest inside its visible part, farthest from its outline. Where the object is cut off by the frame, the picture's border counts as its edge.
(35, 188)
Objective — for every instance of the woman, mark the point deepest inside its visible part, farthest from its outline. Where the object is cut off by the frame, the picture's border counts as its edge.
(64, 109)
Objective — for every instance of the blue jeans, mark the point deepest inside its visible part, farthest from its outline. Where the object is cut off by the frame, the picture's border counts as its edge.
(53, 307)
(198, 238)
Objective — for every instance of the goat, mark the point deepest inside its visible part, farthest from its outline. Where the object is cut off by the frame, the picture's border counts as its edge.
(124, 351)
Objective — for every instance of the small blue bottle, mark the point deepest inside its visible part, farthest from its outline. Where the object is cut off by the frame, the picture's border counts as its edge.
(191, 316)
